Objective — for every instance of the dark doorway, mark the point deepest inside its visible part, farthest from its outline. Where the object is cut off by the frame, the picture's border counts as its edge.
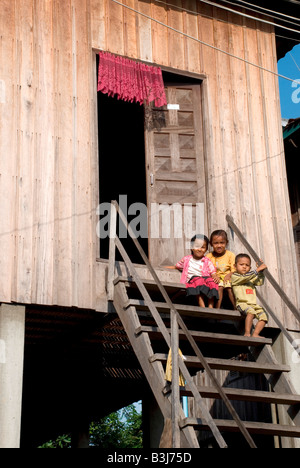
(121, 161)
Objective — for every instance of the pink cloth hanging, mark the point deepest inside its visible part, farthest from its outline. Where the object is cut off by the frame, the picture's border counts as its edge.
(130, 81)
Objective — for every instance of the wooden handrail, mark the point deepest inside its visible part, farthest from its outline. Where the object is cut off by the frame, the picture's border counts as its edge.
(114, 240)
(268, 275)
(274, 283)
(285, 332)
(166, 335)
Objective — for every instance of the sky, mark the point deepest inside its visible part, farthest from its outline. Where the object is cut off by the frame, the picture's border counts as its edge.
(290, 91)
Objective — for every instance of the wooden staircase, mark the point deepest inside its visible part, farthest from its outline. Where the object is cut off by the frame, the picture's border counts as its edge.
(210, 340)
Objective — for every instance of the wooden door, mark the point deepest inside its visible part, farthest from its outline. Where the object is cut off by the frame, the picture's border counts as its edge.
(175, 173)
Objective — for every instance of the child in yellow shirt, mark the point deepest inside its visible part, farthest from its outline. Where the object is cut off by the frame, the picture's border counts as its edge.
(224, 261)
(244, 283)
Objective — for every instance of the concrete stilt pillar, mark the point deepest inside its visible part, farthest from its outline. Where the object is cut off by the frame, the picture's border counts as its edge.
(12, 333)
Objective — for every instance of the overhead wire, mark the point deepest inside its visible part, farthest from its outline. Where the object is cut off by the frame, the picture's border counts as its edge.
(292, 1)
(271, 16)
(222, 7)
(206, 15)
(294, 61)
(202, 42)
(288, 38)
(256, 9)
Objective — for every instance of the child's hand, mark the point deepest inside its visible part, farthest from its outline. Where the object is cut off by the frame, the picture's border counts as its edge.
(228, 277)
(261, 267)
(215, 278)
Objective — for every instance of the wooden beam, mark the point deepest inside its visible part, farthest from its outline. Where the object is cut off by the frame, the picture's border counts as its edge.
(191, 311)
(229, 364)
(239, 394)
(112, 252)
(175, 382)
(252, 427)
(206, 337)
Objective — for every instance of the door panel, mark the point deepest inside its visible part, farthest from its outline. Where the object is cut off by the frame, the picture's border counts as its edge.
(175, 172)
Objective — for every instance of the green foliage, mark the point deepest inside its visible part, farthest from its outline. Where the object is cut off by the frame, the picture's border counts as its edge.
(61, 442)
(122, 429)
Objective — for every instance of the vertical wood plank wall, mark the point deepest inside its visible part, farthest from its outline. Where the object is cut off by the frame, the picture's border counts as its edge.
(48, 161)
(48, 187)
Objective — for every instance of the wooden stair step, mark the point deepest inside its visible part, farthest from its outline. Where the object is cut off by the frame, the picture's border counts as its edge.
(206, 337)
(228, 364)
(252, 427)
(151, 285)
(153, 372)
(189, 311)
(239, 394)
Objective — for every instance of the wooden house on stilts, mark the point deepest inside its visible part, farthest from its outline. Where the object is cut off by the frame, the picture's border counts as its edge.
(86, 322)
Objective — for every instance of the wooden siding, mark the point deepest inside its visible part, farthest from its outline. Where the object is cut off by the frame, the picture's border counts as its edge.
(246, 175)
(48, 163)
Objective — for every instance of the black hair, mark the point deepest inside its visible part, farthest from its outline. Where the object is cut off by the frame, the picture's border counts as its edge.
(242, 255)
(202, 237)
(218, 232)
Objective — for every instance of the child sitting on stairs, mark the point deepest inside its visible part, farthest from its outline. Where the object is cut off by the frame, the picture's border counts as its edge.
(198, 272)
(244, 283)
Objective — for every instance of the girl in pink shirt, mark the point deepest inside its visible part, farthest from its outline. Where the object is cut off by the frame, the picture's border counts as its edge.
(198, 272)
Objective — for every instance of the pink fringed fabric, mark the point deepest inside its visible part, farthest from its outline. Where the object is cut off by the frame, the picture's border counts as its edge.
(130, 81)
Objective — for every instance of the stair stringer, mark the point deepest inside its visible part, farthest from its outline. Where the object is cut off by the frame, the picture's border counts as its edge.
(153, 371)
(280, 383)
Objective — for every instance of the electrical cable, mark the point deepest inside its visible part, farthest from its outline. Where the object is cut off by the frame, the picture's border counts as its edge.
(208, 2)
(205, 15)
(256, 7)
(202, 42)
(280, 16)
(289, 38)
(294, 61)
(292, 1)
